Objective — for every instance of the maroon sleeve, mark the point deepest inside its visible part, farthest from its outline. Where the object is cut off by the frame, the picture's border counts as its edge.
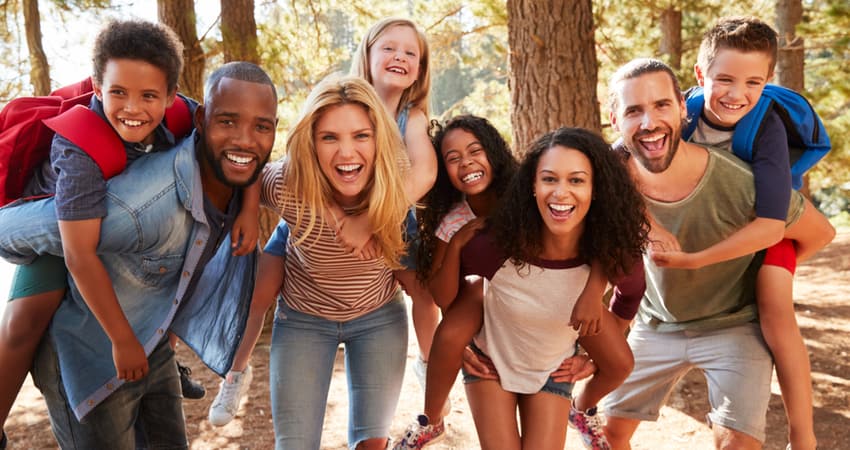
(481, 256)
(628, 292)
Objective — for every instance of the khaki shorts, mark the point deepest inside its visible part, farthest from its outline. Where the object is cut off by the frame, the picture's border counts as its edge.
(737, 367)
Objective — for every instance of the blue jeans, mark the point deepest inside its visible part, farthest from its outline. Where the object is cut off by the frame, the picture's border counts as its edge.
(301, 364)
(153, 404)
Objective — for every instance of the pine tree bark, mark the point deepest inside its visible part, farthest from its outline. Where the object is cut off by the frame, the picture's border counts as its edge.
(180, 16)
(671, 36)
(553, 67)
(39, 69)
(789, 65)
(239, 31)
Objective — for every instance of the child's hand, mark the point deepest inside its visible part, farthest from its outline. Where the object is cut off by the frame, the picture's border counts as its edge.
(574, 368)
(245, 233)
(662, 240)
(675, 259)
(467, 232)
(586, 317)
(131, 364)
(369, 251)
(479, 365)
(355, 233)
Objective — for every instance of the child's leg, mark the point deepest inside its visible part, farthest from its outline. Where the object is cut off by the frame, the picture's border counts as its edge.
(613, 358)
(37, 289)
(426, 313)
(494, 413)
(270, 276)
(544, 420)
(774, 294)
(461, 322)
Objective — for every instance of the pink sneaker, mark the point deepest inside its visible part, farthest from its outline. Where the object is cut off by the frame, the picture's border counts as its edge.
(421, 434)
(589, 424)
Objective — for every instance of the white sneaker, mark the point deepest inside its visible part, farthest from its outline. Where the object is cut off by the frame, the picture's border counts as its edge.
(226, 403)
(420, 368)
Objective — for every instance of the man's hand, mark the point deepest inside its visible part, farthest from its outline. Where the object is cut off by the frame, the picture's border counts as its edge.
(573, 369)
(662, 240)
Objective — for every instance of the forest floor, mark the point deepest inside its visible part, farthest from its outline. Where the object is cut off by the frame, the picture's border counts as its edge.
(823, 313)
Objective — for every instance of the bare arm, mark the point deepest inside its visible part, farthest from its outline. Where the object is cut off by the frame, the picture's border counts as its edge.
(757, 235)
(811, 232)
(79, 241)
(246, 228)
(269, 282)
(587, 313)
(446, 266)
(423, 159)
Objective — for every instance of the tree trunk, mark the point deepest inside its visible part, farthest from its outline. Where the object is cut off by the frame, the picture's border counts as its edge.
(180, 16)
(789, 63)
(239, 31)
(671, 36)
(553, 67)
(39, 69)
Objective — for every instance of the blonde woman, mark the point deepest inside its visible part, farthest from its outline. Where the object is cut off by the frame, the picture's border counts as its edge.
(345, 150)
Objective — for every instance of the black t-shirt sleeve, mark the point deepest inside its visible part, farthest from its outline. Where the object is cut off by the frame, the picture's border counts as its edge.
(772, 169)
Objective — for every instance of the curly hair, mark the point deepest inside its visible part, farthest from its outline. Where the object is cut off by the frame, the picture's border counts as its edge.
(443, 195)
(742, 33)
(153, 43)
(615, 228)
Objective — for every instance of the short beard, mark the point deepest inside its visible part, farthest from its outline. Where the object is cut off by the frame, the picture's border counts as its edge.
(655, 165)
(216, 166)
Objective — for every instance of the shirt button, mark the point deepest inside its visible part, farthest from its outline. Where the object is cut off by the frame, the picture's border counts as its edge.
(109, 386)
(91, 402)
(185, 273)
(199, 242)
(176, 301)
(163, 270)
(160, 331)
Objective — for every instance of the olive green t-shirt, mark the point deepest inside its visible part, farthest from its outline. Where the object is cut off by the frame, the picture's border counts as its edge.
(719, 295)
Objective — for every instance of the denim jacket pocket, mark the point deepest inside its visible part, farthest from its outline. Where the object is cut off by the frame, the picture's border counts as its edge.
(154, 269)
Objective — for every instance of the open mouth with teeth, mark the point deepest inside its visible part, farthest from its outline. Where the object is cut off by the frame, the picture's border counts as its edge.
(348, 172)
(653, 142)
(561, 210)
(396, 69)
(239, 160)
(732, 106)
(472, 177)
(133, 123)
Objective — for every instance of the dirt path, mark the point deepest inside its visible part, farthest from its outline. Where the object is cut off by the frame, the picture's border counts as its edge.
(822, 311)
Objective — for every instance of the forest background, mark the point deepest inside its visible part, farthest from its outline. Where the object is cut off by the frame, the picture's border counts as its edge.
(528, 66)
(561, 52)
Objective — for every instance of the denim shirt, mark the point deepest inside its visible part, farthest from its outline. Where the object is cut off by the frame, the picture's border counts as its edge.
(151, 241)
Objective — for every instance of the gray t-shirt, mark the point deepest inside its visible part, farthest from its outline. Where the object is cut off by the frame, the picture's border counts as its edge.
(716, 296)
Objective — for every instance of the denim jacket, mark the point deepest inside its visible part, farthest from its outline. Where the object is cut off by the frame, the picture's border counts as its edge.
(150, 244)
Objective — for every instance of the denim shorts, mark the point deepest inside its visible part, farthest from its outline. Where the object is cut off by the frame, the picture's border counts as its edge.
(411, 240)
(553, 387)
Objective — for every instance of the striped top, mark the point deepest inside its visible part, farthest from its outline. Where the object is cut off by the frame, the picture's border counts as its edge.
(322, 278)
(454, 220)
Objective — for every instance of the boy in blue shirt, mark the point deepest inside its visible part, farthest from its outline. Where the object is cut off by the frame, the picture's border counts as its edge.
(136, 69)
(736, 59)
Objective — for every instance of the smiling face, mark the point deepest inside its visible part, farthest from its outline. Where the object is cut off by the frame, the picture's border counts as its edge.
(563, 188)
(733, 84)
(135, 96)
(238, 127)
(649, 114)
(345, 148)
(466, 162)
(394, 58)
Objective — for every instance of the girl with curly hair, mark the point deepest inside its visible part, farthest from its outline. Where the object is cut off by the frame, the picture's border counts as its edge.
(570, 202)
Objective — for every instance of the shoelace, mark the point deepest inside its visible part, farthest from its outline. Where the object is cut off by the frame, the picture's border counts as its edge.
(229, 391)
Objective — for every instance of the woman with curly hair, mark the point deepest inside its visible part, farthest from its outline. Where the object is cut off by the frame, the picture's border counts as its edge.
(571, 202)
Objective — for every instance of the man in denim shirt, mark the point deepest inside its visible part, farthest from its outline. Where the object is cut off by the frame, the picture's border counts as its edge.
(168, 213)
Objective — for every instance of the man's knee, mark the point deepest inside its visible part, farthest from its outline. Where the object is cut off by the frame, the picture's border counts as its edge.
(729, 439)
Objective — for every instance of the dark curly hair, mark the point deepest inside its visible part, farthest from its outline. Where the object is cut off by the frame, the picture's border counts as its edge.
(615, 229)
(443, 194)
(153, 43)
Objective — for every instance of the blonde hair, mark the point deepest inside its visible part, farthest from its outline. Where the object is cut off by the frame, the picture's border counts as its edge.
(419, 93)
(385, 202)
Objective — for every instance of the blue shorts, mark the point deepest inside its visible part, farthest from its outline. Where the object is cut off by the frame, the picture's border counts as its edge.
(46, 273)
(411, 238)
(553, 387)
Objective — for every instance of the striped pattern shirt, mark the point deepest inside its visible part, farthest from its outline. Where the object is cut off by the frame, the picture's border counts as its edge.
(454, 220)
(322, 278)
